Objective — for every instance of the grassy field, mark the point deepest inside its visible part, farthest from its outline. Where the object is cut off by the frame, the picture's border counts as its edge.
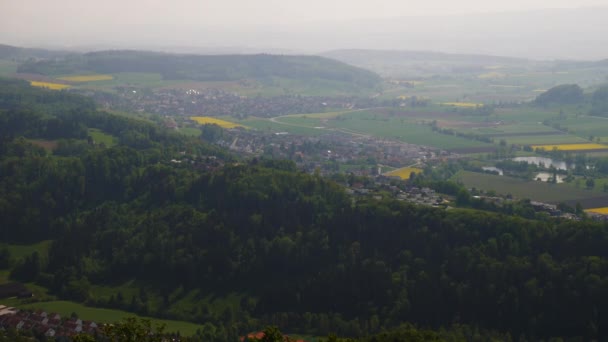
(189, 131)
(267, 125)
(21, 251)
(539, 191)
(585, 126)
(511, 128)
(180, 301)
(376, 124)
(327, 115)
(406, 131)
(7, 68)
(522, 125)
(273, 86)
(462, 104)
(101, 137)
(518, 125)
(65, 309)
(510, 83)
(131, 79)
(543, 139)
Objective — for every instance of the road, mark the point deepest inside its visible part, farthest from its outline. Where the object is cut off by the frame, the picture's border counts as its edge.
(341, 130)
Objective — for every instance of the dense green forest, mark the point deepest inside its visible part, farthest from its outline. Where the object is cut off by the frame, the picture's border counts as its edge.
(561, 94)
(300, 253)
(572, 94)
(206, 68)
(599, 102)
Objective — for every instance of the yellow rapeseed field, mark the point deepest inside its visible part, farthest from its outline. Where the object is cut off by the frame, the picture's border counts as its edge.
(463, 104)
(86, 78)
(603, 211)
(571, 147)
(404, 172)
(53, 86)
(209, 120)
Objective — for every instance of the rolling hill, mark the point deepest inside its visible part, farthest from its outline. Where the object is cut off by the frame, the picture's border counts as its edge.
(207, 67)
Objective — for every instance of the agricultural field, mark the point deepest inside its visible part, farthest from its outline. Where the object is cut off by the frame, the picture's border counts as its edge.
(202, 120)
(270, 126)
(86, 78)
(586, 126)
(404, 173)
(109, 82)
(527, 125)
(522, 126)
(571, 147)
(542, 139)
(49, 85)
(535, 190)
(410, 127)
(326, 115)
(602, 210)
(462, 104)
(447, 80)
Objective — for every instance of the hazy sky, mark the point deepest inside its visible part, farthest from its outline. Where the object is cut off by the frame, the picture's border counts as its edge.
(37, 15)
(297, 25)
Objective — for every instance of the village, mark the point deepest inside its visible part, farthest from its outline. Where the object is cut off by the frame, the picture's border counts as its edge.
(330, 153)
(41, 323)
(217, 102)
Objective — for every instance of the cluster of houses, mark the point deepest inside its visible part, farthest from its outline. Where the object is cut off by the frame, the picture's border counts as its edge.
(325, 150)
(217, 102)
(422, 196)
(408, 193)
(43, 323)
(259, 336)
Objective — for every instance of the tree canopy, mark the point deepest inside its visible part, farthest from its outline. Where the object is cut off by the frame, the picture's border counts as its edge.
(561, 95)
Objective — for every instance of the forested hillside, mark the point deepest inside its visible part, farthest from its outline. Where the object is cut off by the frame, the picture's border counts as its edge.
(293, 248)
(9, 52)
(207, 68)
(562, 95)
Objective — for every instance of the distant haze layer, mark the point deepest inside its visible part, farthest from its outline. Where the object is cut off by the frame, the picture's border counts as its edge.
(312, 27)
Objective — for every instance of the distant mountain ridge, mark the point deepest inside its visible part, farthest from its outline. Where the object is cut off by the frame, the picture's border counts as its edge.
(409, 63)
(414, 63)
(413, 55)
(206, 67)
(17, 53)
